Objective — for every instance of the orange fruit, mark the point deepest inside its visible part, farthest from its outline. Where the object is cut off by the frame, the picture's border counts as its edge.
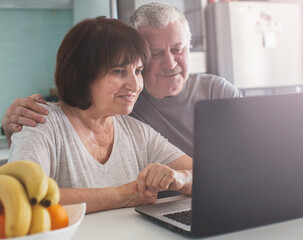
(59, 217)
(2, 224)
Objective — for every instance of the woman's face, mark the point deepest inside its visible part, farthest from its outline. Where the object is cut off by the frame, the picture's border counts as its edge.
(117, 91)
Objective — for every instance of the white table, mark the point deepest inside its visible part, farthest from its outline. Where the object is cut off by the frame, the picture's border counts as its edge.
(127, 224)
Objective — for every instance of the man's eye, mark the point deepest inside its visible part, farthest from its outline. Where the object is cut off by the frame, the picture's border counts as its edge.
(156, 54)
(177, 50)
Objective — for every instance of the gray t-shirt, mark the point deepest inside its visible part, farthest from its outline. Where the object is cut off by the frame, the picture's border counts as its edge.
(56, 146)
(173, 116)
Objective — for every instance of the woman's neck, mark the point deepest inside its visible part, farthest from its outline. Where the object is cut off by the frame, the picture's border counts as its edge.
(90, 118)
(95, 130)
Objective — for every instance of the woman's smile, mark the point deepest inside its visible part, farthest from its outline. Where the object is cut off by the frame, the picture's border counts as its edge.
(131, 98)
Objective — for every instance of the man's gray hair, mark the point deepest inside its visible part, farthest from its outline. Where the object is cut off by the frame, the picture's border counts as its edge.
(158, 15)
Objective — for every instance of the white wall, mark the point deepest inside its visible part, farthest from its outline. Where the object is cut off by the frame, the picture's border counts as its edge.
(90, 8)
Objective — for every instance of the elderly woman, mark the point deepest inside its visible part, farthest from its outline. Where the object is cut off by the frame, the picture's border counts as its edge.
(87, 144)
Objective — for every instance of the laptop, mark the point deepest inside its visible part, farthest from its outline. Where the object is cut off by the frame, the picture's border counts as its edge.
(248, 167)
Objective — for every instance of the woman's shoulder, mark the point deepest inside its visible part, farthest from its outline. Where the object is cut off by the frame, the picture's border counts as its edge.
(51, 107)
(47, 128)
(53, 110)
(52, 119)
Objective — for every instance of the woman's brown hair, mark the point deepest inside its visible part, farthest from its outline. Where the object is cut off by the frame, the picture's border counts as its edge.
(93, 47)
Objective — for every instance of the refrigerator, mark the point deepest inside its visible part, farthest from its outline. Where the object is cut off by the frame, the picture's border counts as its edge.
(255, 44)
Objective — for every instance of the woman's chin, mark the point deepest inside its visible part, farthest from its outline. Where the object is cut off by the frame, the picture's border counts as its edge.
(126, 111)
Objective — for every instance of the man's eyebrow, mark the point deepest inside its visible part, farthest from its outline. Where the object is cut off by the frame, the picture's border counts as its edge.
(178, 44)
(155, 49)
(160, 49)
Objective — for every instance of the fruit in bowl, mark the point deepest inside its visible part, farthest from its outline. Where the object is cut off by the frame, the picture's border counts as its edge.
(75, 212)
(58, 216)
(29, 201)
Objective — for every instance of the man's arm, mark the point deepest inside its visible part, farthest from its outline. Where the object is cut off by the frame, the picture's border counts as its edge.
(99, 199)
(23, 112)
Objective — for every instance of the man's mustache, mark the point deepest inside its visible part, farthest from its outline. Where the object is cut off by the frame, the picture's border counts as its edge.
(167, 72)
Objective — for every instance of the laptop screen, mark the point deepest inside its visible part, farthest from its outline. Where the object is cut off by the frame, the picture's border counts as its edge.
(248, 163)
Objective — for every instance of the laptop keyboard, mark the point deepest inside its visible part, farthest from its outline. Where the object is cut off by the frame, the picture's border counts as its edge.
(182, 217)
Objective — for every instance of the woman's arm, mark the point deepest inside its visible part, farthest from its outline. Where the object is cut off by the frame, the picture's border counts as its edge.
(168, 169)
(99, 199)
(184, 165)
(177, 175)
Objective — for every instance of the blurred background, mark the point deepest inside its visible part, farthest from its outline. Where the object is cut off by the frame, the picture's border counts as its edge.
(256, 45)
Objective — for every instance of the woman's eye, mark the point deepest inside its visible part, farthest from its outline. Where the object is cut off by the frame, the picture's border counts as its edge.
(138, 71)
(118, 71)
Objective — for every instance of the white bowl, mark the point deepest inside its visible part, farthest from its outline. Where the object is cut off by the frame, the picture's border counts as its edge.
(75, 214)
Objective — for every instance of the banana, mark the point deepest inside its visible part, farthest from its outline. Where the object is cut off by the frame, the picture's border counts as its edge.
(17, 208)
(53, 194)
(31, 175)
(41, 220)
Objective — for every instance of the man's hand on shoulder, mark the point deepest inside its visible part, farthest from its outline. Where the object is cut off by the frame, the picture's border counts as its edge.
(23, 112)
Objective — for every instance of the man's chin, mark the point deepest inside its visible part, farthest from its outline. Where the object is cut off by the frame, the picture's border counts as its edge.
(176, 87)
(165, 87)
(173, 91)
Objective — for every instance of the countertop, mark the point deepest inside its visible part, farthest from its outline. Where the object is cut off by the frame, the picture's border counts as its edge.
(126, 224)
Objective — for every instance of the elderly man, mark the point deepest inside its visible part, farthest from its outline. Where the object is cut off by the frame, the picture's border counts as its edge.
(170, 94)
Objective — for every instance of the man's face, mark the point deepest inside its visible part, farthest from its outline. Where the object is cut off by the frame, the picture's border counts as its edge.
(168, 69)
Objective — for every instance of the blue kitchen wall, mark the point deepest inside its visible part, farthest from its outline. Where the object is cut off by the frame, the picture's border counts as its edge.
(29, 39)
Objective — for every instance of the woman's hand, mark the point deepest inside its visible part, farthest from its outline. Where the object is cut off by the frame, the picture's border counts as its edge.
(158, 177)
(23, 112)
(131, 197)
